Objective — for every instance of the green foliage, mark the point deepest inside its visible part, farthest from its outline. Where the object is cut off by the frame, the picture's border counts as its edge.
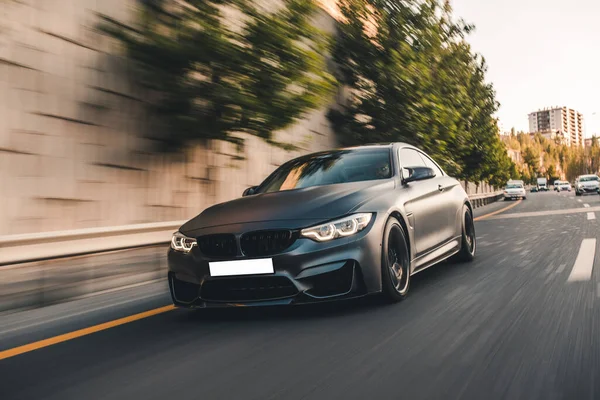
(551, 173)
(531, 157)
(209, 78)
(560, 161)
(417, 80)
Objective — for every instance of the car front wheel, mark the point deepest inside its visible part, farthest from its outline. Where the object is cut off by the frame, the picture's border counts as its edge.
(395, 262)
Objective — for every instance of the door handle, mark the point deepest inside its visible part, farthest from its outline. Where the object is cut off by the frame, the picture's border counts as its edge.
(440, 188)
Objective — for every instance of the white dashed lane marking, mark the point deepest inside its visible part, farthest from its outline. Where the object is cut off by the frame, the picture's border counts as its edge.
(579, 200)
(561, 268)
(586, 205)
(591, 216)
(584, 264)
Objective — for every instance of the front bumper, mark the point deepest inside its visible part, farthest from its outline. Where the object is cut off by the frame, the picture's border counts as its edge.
(514, 195)
(307, 272)
(588, 190)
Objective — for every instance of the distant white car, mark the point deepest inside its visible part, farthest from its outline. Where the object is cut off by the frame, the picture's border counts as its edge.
(562, 186)
(514, 190)
(587, 184)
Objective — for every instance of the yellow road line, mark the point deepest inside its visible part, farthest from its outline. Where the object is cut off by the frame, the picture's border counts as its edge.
(498, 212)
(82, 332)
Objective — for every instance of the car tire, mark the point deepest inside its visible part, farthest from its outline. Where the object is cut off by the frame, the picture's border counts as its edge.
(469, 238)
(395, 263)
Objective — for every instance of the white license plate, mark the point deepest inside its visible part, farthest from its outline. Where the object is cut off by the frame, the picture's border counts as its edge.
(241, 267)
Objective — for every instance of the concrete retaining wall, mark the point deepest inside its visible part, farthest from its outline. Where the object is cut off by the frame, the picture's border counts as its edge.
(73, 149)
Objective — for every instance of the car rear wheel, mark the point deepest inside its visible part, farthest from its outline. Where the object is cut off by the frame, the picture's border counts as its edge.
(395, 263)
(469, 239)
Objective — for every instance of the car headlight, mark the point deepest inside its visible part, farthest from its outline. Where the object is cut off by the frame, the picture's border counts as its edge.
(339, 228)
(180, 242)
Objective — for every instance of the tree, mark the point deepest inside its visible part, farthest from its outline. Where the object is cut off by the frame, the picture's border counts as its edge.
(532, 159)
(525, 176)
(422, 85)
(594, 155)
(208, 79)
(551, 173)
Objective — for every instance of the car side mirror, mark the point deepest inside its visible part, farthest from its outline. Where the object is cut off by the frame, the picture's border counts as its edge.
(418, 174)
(250, 191)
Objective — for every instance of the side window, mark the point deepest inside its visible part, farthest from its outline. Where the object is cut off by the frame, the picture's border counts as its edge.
(429, 162)
(410, 158)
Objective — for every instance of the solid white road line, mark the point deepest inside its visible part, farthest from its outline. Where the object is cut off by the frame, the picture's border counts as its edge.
(584, 264)
(586, 205)
(591, 216)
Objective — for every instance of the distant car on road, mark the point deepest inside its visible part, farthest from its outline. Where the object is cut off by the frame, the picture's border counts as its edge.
(587, 184)
(562, 186)
(534, 189)
(542, 184)
(331, 225)
(514, 190)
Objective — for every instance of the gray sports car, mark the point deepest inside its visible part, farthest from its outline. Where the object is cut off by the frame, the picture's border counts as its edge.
(326, 226)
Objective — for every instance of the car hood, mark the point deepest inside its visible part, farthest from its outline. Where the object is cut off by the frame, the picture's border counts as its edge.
(313, 203)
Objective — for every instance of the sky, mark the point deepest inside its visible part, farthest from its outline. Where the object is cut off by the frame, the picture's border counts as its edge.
(540, 53)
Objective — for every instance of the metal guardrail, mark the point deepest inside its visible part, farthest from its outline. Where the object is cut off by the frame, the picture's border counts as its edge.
(16, 249)
(49, 245)
(478, 200)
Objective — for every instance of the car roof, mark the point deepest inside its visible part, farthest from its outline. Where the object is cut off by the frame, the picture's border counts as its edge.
(378, 145)
(386, 145)
(585, 176)
(333, 150)
(366, 146)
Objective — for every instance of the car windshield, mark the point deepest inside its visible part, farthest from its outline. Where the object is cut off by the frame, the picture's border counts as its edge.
(341, 166)
(588, 178)
(514, 186)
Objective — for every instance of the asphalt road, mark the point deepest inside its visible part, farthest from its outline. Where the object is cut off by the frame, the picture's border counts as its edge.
(521, 322)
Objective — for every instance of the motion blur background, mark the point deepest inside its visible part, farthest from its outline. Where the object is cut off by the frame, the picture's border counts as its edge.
(78, 144)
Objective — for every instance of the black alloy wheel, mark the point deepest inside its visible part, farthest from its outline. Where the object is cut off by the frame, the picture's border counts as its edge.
(469, 239)
(395, 263)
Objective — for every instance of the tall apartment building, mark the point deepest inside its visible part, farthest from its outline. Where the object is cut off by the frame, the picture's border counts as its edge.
(563, 122)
